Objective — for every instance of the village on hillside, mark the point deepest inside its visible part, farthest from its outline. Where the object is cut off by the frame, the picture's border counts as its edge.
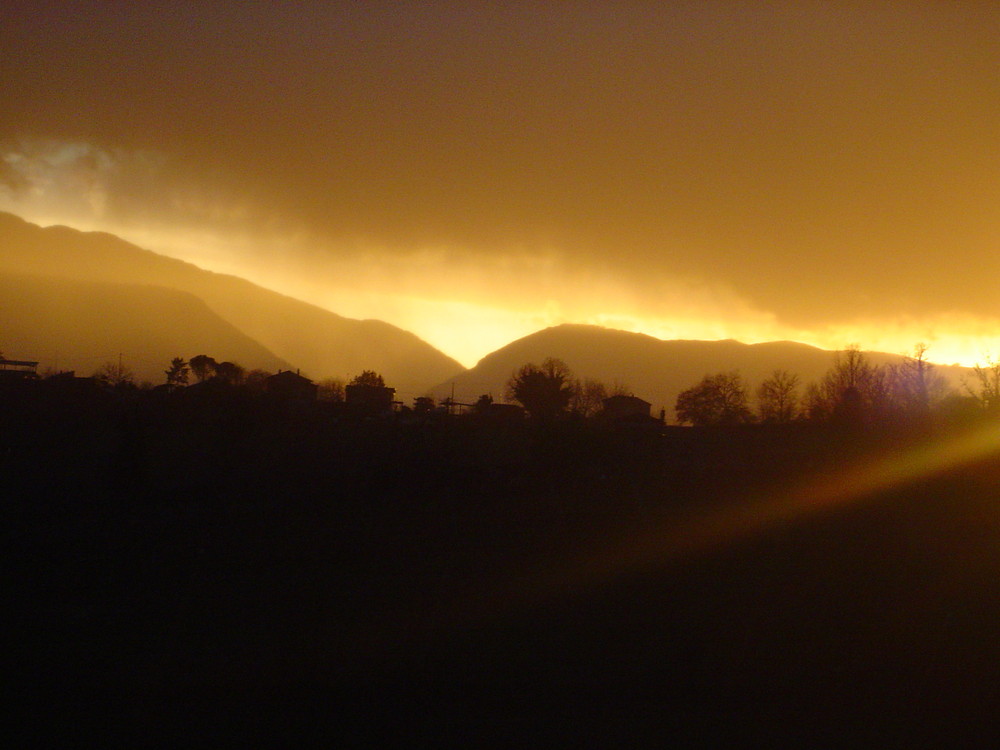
(853, 391)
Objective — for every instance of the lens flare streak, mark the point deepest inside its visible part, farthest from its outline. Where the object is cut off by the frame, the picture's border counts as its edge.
(656, 542)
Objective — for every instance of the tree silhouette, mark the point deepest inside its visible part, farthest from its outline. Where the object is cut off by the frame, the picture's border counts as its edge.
(369, 378)
(229, 372)
(986, 385)
(331, 389)
(719, 399)
(177, 373)
(852, 390)
(915, 377)
(588, 397)
(115, 375)
(255, 381)
(589, 394)
(545, 392)
(914, 384)
(777, 397)
(368, 394)
(203, 366)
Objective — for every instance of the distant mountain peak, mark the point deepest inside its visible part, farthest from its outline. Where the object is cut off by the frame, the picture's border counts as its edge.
(316, 340)
(655, 370)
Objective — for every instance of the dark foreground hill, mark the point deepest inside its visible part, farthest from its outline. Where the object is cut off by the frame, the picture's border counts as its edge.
(81, 325)
(653, 369)
(319, 342)
(249, 576)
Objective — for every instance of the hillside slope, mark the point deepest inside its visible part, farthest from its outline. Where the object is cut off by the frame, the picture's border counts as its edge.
(318, 341)
(653, 369)
(79, 325)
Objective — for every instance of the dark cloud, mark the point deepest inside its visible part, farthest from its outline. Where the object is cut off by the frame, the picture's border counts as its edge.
(823, 160)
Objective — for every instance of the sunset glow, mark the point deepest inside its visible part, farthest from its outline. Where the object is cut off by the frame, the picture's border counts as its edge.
(817, 174)
(611, 373)
(469, 312)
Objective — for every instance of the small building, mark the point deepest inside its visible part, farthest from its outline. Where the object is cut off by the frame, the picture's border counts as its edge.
(67, 382)
(625, 408)
(373, 399)
(291, 386)
(17, 370)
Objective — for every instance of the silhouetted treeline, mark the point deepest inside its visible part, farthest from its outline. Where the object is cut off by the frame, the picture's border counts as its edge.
(72, 441)
(852, 392)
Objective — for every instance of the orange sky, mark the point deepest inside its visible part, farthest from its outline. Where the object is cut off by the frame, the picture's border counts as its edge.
(827, 172)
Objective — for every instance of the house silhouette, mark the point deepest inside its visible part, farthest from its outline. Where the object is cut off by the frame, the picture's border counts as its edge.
(291, 386)
(369, 398)
(625, 407)
(17, 370)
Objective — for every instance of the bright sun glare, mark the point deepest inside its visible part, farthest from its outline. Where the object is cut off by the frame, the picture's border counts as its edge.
(470, 310)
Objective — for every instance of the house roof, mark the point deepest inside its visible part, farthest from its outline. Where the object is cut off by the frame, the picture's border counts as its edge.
(4, 363)
(289, 376)
(361, 387)
(619, 399)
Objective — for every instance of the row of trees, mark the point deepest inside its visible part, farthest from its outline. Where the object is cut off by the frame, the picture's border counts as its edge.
(203, 368)
(852, 390)
(178, 373)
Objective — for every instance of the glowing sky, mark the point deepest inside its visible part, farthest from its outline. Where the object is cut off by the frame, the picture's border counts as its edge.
(826, 172)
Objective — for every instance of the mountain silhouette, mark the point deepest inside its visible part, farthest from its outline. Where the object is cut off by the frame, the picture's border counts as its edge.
(79, 325)
(318, 341)
(653, 369)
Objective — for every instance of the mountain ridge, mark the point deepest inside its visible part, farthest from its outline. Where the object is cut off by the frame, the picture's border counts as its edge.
(323, 343)
(76, 325)
(320, 342)
(656, 370)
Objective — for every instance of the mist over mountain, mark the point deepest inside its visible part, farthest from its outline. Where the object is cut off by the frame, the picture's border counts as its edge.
(104, 295)
(651, 368)
(79, 325)
(319, 342)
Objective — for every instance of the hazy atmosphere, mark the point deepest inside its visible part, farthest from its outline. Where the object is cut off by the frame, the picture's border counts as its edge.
(821, 172)
(595, 374)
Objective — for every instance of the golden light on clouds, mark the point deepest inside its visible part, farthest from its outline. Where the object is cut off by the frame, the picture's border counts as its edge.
(468, 310)
(820, 173)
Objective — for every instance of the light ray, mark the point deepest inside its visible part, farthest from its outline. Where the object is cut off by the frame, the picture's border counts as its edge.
(669, 537)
